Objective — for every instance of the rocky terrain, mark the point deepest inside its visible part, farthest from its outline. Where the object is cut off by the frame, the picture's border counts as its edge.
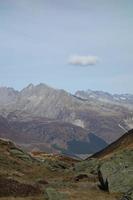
(42, 176)
(115, 164)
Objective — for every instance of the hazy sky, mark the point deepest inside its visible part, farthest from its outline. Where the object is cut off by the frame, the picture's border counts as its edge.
(69, 44)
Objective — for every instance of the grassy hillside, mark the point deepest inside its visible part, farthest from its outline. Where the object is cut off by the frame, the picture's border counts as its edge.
(41, 176)
(124, 142)
(115, 164)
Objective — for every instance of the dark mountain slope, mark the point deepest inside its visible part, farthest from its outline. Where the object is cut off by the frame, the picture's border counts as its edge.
(48, 135)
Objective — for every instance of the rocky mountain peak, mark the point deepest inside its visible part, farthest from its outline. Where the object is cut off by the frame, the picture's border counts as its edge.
(7, 95)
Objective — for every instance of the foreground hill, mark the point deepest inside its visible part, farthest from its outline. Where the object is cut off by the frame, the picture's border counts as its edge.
(14, 166)
(47, 135)
(44, 177)
(41, 176)
(115, 164)
(123, 143)
(107, 120)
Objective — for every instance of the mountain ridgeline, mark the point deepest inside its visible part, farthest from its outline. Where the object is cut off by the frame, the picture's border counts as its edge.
(55, 120)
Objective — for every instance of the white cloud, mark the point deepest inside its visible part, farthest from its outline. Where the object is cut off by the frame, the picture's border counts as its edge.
(83, 60)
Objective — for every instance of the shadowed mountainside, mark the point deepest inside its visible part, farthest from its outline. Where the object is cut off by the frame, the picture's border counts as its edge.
(50, 136)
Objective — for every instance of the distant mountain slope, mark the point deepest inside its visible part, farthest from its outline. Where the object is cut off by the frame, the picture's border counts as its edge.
(118, 99)
(50, 136)
(107, 120)
(123, 143)
(86, 147)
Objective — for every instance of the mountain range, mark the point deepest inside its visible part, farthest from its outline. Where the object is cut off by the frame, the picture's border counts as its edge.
(57, 121)
(118, 99)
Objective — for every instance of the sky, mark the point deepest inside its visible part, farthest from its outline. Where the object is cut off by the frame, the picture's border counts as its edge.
(67, 44)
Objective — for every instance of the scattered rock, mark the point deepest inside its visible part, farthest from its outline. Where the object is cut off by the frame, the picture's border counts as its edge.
(80, 177)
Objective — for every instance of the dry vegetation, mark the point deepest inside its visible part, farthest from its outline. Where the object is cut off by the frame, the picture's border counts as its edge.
(50, 177)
